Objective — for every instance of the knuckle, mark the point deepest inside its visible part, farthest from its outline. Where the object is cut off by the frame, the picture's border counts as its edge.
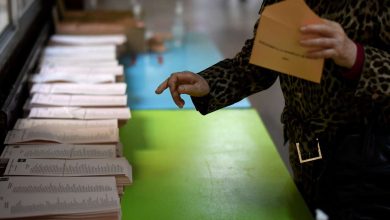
(172, 76)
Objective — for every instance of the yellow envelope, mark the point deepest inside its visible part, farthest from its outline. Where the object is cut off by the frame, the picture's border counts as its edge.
(276, 45)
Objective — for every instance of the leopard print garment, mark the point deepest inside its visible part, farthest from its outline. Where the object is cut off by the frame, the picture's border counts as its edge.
(312, 109)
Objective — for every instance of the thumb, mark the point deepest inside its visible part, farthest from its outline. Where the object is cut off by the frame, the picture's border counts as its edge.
(186, 89)
(190, 89)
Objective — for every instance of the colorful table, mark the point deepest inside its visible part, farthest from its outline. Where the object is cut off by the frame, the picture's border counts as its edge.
(220, 166)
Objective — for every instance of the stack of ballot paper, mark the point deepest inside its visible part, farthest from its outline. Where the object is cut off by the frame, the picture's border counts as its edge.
(72, 40)
(101, 22)
(79, 78)
(116, 167)
(59, 198)
(63, 160)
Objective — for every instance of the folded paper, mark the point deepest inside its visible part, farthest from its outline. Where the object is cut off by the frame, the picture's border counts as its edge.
(277, 45)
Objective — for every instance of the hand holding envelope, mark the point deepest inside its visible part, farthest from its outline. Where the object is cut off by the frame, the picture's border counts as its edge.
(329, 41)
(277, 40)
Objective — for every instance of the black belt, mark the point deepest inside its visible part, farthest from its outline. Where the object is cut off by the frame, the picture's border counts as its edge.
(312, 150)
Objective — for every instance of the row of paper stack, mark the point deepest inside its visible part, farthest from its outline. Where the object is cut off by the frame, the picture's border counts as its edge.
(64, 158)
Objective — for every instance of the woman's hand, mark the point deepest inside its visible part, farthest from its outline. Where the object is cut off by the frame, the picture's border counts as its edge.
(184, 83)
(328, 40)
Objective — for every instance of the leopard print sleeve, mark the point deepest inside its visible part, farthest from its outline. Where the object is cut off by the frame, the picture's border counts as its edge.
(375, 77)
(231, 80)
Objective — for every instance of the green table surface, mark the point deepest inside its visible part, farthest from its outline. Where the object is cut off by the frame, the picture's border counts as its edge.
(220, 166)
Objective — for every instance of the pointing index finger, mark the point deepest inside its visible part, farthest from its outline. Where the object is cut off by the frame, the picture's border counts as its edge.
(162, 87)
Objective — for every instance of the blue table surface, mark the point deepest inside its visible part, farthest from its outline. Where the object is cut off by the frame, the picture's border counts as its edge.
(150, 69)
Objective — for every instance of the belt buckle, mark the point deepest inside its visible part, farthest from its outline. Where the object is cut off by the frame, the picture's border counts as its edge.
(309, 159)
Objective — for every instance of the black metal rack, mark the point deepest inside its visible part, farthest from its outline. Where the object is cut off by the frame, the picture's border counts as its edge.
(19, 58)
